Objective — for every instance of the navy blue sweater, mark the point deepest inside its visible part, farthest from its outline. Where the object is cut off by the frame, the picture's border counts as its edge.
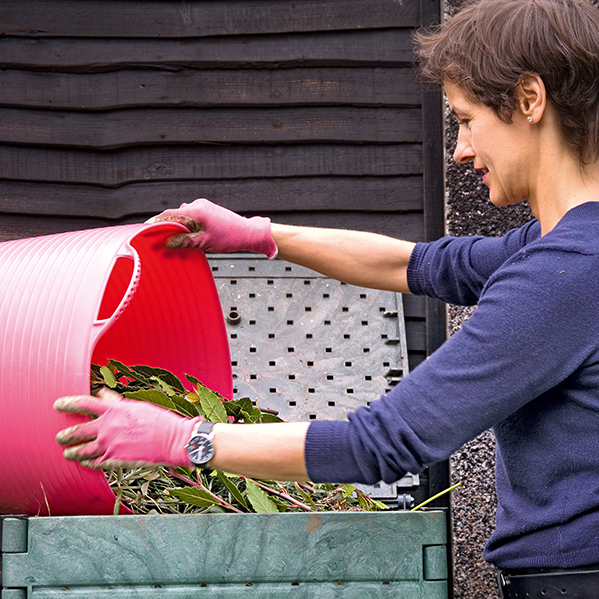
(526, 363)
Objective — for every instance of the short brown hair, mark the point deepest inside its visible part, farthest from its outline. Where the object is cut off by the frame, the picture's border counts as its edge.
(489, 45)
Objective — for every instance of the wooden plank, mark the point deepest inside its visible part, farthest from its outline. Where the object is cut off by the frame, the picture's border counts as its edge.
(199, 162)
(405, 226)
(392, 47)
(195, 18)
(116, 129)
(318, 194)
(264, 87)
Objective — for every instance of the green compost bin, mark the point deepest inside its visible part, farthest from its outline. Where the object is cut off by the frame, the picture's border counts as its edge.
(330, 555)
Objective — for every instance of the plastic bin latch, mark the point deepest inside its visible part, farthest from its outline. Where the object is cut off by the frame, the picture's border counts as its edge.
(435, 562)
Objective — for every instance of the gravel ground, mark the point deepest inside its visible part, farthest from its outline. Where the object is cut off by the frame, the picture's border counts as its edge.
(469, 212)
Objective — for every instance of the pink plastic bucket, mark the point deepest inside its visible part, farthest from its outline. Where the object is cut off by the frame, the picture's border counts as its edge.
(72, 299)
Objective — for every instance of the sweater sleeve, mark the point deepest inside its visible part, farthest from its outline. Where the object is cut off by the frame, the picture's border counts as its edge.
(503, 357)
(455, 269)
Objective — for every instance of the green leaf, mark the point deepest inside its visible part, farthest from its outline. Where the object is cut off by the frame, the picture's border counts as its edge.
(212, 405)
(153, 396)
(260, 501)
(233, 490)
(266, 417)
(194, 496)
(160, 374)
(108, 377)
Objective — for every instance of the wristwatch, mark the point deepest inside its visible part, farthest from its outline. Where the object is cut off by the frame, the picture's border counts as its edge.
(200, 448)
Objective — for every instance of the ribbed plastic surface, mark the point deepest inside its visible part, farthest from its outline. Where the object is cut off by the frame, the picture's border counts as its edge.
(72, 299)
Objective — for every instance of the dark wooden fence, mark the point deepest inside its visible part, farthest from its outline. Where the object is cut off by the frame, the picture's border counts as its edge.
(307, 111)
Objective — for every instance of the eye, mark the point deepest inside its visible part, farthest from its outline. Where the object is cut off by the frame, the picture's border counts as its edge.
(464, 123)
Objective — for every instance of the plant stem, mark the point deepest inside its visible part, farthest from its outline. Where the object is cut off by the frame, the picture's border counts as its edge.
(199, 485)
(282, 494)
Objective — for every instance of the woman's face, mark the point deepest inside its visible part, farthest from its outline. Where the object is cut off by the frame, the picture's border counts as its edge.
(498, 150)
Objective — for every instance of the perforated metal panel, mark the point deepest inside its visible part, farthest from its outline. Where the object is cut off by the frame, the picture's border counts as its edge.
(308, 346)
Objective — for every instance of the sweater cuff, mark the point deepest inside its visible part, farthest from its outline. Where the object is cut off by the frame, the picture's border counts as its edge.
(414, 271)
(329, 453)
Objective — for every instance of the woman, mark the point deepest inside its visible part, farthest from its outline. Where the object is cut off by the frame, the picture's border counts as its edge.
(520, 77)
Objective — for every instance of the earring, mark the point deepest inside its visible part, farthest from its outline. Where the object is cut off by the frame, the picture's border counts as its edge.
(529, 119)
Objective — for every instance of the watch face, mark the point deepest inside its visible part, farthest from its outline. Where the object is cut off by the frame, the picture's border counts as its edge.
(200, 449)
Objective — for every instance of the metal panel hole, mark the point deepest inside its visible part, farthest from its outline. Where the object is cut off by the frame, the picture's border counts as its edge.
(384, 336)
(233, 335)
(273, 390)
(271, 308)
(308, 309)
(252, 350)
(233, 282)
(348, 363)
(331, 403)
(311, 390)
(310, 363)
(289, 295)
(271, 335)
(346, 336)
(291, 349)
(288, 268)
(362, 296)
(270, 282)
(251, 268)
(382, 309)
(312, 416)
(295, 584)
(307, 282)
(366, 350)
(326, 295)
(252, 322)
(327, 322)
(364, 323)
(215, 269)
(272, 363)
(234, 389)
(233, 362)
(293, 403)
(344, 309)
(386, 364)
(291, 377)
(328, 350)
(290, 322)
(252, 295)
(253, 377)
(309, 336)
(367, 378)
(235, 376)
(330, 377)
(350, 390)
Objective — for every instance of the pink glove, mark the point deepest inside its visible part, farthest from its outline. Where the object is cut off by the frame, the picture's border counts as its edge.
(128, 433)
(216, 229)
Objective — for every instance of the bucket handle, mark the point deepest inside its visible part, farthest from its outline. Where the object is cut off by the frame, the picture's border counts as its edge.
(99, 326)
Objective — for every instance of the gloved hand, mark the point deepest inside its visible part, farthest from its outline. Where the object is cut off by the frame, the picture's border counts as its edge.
(128, 433)
(216, 229)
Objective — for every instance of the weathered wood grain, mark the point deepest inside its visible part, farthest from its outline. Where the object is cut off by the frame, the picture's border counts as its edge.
(119, 128)
(257, 196)
(211, 87)
(194, 18)
(405, 226)
(390, 47)
(197, 162)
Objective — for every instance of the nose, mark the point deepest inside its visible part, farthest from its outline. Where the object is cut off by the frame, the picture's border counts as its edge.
(463, 150)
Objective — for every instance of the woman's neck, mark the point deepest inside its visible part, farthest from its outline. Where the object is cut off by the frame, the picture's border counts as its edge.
(565, 185)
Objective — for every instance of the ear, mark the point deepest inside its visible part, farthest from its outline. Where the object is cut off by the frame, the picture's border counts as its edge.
(532, 98)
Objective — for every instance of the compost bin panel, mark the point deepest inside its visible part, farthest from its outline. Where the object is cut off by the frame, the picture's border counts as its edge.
(399, 555)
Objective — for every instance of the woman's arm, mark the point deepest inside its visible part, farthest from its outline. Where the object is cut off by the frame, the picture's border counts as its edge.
(355, 257)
